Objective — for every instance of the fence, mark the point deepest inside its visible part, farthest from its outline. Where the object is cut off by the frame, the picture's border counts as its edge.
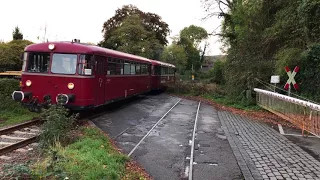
(303, 114)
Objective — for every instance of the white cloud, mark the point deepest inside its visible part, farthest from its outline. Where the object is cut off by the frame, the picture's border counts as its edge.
(82, 19)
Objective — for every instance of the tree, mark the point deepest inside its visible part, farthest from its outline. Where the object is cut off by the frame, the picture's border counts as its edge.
(150, 21)
(265, 36)
(10, 53)
(16, 34)
(193, 54)
(194, 33)
(175, 54)
(131, 37)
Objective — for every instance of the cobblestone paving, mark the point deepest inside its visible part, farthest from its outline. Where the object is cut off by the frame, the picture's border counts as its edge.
(263, 153)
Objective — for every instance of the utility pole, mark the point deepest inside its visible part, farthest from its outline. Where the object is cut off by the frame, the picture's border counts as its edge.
(45, 33)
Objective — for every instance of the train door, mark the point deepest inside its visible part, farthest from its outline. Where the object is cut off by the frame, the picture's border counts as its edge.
(100, 79)
(113, 68)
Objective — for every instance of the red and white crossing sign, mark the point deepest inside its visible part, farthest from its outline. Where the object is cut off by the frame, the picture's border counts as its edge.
(291, 78)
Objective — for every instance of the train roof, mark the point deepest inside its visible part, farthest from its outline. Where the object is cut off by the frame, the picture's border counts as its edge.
(154, 62)
(80, 48)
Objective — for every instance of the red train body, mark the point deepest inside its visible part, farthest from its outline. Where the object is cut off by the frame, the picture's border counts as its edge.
(82, 76)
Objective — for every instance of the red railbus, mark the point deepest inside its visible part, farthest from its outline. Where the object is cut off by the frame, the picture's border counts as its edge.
(162, 75)
(82, 76)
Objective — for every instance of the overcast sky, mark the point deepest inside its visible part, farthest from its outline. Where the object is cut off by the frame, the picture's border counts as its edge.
(83, 19)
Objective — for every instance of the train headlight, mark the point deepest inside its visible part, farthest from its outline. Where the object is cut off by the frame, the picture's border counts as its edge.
(70, 86)
(28, 83)
(51, 46)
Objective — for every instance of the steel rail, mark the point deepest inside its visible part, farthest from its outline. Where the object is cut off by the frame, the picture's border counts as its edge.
(152, 128)
(17, 145)
(19, 126)
(192, 145)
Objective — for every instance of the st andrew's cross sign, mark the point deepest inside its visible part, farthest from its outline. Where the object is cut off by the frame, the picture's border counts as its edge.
(291, 78)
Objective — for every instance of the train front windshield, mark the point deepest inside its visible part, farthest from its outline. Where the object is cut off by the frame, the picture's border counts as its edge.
(64, 63)
(40, 63)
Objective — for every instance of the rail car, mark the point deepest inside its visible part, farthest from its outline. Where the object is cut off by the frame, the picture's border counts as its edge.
(162, 75)
(83, 77)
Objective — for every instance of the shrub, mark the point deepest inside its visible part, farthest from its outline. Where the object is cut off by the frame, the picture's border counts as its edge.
(217, 72)
(56, 126)
(7, 86)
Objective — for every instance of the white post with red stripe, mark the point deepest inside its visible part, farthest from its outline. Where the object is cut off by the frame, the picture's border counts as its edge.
(291, 79)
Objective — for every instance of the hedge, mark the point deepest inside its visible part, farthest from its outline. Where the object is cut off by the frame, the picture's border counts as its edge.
(7, 86)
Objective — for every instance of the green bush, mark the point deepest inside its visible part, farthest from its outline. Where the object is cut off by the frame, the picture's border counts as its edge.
(91, 156)
(308, 77)
(7, 86)
(217, 72)
(56, 126)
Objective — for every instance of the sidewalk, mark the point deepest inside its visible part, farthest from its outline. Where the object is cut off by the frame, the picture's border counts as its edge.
(263, 153)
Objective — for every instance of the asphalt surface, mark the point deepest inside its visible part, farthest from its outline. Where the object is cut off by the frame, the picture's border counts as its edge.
(213, 156)
(310, 144)
(165, 152)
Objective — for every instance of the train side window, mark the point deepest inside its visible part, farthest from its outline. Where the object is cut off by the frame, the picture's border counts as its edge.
(111, 67)
(143, 69)
(126, 67)
(24, 59)
(100, 64)
(158, 70)
(138, 69)
(149, 69)
(133, 68)
(119, 67)
(38, 62)
(86, 65)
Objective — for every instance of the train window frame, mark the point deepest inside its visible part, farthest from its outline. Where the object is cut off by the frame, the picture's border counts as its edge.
(143, 68)
(100, 62)
(88, 62)
(46, 66)
(132, 68)
(149, 66)
(24, 61)
(111, 66)
(119, 66)
(138, 69)
(127, 67)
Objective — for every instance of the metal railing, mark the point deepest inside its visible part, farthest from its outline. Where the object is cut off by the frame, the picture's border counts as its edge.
(303, 114)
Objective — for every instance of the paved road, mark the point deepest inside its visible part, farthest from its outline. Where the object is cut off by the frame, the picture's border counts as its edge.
(227, 146)
(213, 156)
(165, 153)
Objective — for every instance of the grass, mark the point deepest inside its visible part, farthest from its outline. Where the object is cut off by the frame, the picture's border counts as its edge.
(13, 113)
(92, 156)
(227, 102)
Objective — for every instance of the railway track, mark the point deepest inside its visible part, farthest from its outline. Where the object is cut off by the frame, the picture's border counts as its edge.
(21, 135)
(18, 136)
(189, 173)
